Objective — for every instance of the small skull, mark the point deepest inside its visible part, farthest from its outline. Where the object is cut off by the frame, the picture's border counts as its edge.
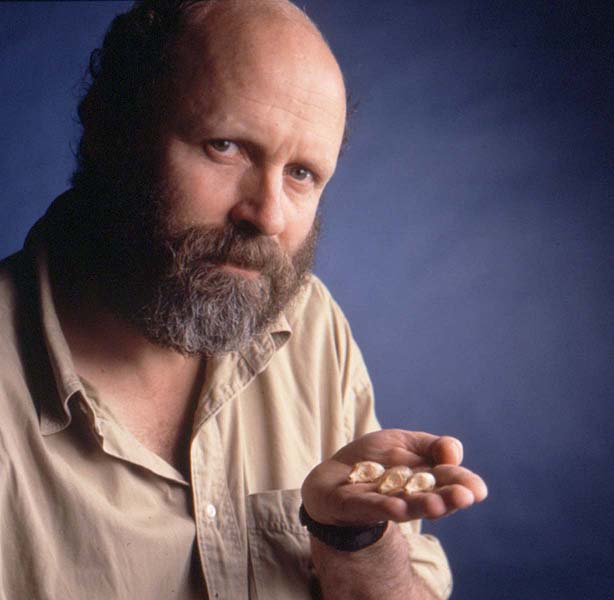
(420, 482)
(394, 479)
(366, 471)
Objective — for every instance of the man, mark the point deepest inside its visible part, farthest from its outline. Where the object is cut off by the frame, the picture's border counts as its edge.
(174, 384)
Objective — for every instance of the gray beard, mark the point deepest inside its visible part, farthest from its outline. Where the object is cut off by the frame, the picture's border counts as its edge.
(223, 320)
(194, 307)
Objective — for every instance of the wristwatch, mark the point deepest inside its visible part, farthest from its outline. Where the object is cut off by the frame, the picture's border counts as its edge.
(345, 538)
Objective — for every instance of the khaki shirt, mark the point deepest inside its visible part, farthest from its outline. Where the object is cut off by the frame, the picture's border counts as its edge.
(86, 511)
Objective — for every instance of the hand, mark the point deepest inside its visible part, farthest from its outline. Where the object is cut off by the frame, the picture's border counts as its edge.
(330, 499)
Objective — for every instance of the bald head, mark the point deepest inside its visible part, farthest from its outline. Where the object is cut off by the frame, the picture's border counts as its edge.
(269, 57)
(173, 42)
(271, 37)
(254, 8)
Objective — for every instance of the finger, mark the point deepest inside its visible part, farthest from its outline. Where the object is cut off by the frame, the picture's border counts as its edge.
(398, 455)
(363, 508)
(359, 504)
(388, 447)
(398, 446)
(424, 505)
(418, 442)
(430, 505)
(437, 449)
(447, 450)
(398, 508)
(451, 475)
(455, 497)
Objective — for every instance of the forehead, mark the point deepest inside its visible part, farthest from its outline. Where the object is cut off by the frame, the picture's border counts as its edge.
(274, 68)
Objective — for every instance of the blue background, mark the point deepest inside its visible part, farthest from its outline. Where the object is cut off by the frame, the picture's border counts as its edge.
(469, 238)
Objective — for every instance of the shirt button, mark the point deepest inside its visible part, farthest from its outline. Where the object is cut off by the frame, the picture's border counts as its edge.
(211, 512)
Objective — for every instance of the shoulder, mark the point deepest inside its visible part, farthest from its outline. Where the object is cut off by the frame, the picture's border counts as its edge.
(320, 328)
(18, 321)
(318, 322)
(323, 349)
(315, 309)
(8, 267)
(11, 271)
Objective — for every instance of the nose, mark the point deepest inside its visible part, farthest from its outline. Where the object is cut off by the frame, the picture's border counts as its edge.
(261, 203)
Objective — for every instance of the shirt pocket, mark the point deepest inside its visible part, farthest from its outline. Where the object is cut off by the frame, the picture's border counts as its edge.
(279, 551)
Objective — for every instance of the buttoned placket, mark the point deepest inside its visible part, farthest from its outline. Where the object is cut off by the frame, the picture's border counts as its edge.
(222, 551)
(221, 543)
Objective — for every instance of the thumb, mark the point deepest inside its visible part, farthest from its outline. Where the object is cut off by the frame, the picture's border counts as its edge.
(447, 450)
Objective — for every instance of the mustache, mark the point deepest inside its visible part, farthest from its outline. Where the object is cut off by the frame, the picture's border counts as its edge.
(230, 244)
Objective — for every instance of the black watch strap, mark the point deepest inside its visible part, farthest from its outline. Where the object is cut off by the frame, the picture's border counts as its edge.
(348, 539)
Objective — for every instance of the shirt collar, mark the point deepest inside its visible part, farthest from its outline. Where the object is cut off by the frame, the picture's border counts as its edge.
(230, 373)
(54, 413)
(259, 351)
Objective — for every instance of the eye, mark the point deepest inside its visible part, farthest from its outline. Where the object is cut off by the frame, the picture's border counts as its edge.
(223, 147)
(300, 173)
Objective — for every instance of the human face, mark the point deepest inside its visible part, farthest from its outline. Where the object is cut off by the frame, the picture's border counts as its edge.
(255, 132)
(219, 230)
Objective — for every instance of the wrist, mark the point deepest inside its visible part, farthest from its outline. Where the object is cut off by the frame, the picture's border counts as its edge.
(344, 538)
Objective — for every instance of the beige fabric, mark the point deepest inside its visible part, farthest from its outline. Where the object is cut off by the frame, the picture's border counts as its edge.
(88, 512)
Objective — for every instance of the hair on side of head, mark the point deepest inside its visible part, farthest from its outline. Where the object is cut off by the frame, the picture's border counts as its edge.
(125, 90)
